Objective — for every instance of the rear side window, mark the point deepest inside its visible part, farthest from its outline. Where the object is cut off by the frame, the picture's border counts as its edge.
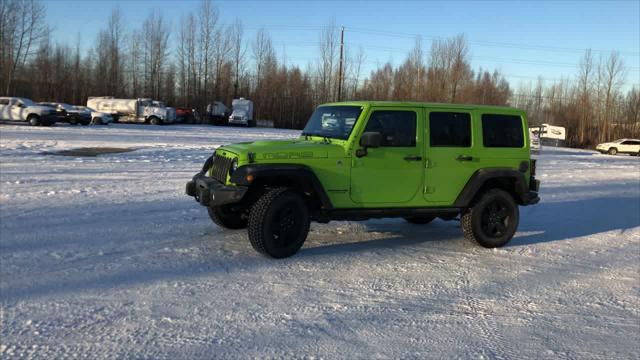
(398, 128)
(450, 129)
(4, 101)
(502, 131)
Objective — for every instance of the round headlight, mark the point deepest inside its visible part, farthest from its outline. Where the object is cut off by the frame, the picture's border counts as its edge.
(234, 166)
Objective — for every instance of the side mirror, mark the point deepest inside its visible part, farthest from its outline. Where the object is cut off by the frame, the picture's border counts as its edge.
(370, 139)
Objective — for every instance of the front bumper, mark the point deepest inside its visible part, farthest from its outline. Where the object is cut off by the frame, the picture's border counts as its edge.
(210, 192)
(238, 122)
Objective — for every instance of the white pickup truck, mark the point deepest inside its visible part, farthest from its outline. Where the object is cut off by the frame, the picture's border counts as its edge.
(22, 109)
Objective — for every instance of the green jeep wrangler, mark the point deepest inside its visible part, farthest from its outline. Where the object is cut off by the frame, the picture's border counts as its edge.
(362, 160)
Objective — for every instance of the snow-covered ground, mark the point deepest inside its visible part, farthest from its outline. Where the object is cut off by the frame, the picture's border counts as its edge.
(106, 257)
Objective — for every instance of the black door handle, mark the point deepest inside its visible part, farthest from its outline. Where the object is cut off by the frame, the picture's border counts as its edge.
(413, 158)
(464, 158)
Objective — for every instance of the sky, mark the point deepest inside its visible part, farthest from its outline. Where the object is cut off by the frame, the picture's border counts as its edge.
(523, 39)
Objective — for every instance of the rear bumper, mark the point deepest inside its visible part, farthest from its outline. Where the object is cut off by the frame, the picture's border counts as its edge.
(531, 197)
(210, 192)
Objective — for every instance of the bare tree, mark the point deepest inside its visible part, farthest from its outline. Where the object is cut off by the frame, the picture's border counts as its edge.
(238, 52)
(328, 59)
(155, 34)
(208, 15)
(22, 27)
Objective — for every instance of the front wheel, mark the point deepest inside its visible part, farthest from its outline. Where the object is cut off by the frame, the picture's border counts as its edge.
(279, 223)
(224, 217)
(612, 151)
(493, 219)
(154, 121)
(34, 120)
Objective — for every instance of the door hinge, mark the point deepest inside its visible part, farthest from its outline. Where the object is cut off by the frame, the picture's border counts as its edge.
(426, 163)
(428, 189)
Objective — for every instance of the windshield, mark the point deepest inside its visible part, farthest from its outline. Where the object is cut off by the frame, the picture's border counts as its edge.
(332, 121)
(27, 102)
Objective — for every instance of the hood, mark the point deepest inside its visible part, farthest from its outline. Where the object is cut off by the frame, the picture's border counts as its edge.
(284, 150)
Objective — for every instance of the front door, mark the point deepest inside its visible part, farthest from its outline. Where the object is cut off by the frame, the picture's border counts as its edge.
(391, 173)
(450, 159)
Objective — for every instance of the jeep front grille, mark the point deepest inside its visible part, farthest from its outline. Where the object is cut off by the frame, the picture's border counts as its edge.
(220, 168)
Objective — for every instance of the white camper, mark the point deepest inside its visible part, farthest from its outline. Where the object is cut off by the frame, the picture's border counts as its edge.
(134, 110)
(242, 113)
(551, 135)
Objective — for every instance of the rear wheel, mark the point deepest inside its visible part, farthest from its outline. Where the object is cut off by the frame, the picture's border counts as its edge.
(612, 151)
(493, 219)
(223, 216)
(419, 220)
(97, 121)
(154, 121)
(279, 223)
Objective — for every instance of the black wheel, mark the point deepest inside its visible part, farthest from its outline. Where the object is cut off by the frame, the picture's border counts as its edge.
(493, 219)
(224, 217)
(34, 120)
(420, 220)
(154, 121)
(97, 121)
(612, 151)
(279, 223)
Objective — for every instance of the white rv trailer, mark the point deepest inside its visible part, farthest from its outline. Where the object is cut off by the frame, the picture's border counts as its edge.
(134, 110)
(550, 135)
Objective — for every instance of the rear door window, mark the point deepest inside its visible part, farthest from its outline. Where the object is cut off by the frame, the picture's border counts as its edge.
(450, 129)
(502, 131)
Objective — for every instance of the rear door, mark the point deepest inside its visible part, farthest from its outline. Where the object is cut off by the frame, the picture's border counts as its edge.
(17, 110)
(451, 158)
(393, 172)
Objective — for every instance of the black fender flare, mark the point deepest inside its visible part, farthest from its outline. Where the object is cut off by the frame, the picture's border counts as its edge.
(482, 176)
(300, 174)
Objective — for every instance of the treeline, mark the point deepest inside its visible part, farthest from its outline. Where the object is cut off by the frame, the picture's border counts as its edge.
(206, 60)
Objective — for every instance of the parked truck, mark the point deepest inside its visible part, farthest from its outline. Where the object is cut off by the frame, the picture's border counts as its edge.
(242, 113)
(217, 113)
(142, 110)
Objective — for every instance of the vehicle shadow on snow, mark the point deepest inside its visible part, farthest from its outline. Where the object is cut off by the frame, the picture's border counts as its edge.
(393, 235)
(567, 220)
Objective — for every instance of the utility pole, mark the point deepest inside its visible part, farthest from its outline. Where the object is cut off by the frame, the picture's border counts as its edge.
(340, 65)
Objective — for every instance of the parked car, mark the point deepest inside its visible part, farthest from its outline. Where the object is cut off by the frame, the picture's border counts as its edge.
(361, 160)
(97, 117)
(620, 146)
(69, 113)
(23, 109)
